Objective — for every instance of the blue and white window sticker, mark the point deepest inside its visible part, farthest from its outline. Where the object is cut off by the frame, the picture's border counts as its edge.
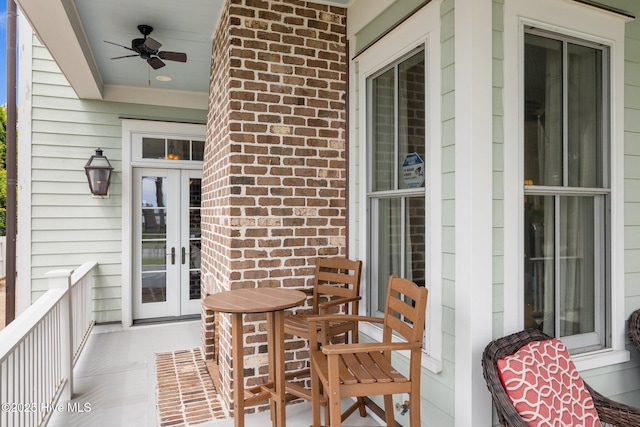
(413, 171)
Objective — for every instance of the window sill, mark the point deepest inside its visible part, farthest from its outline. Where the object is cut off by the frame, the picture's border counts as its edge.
(598, 359)
(374, 333)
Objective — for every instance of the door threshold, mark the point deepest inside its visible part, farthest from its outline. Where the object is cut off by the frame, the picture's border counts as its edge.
(168, 319)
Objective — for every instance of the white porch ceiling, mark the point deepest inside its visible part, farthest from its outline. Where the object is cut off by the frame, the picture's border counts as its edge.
(74, 31)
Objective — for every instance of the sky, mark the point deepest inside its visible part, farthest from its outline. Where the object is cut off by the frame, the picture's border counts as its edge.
(3, 52)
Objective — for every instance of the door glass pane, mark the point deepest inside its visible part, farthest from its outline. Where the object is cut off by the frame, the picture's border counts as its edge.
(584, 119)
(194, 251)
(411, 121)
(194, 284)
(194, 207)
(153, 148)
(577, 274)
(389, 245)
(539, 263)
(383, 132)
(195, 192)
(543, 142)
(154, 254)
(154, 287)
(154, 238)
(154, 191)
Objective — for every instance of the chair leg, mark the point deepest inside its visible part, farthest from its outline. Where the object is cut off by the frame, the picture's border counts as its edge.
(315, 398)
(332, 390)
(414, 409)
(363, 407)
(333, 404)
(388, 410)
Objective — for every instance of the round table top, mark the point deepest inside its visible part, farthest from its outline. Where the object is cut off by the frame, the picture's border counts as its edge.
(254, 300)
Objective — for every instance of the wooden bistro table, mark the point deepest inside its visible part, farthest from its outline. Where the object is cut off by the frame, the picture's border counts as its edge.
(272, 302)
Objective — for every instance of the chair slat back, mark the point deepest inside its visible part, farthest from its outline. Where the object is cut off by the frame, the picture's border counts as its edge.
(406, 310)
(336, 277)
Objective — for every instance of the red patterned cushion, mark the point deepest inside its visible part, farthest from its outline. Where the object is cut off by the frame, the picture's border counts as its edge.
(545, 387)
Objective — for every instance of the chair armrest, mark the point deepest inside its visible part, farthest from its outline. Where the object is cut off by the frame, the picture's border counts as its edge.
(368, 347)
(337, 301)
(612, 412)
(324, 320)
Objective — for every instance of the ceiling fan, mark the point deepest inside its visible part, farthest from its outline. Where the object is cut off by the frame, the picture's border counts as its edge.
(148, 49)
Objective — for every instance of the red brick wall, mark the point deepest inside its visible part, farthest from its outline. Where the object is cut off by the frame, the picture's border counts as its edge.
(275, 170)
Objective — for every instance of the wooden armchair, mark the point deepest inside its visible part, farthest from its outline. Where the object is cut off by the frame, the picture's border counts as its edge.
(346, 370)
(336, 289)
(608, 411)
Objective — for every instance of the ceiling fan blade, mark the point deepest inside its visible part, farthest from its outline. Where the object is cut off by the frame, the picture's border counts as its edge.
(152, 44)
(125, 56)
(173, 56)
(155, 63)
(116, 44)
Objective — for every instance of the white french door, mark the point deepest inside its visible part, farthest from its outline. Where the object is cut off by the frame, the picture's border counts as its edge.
(166, 242)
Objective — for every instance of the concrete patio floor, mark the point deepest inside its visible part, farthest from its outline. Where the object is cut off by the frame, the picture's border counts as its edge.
(115, 378)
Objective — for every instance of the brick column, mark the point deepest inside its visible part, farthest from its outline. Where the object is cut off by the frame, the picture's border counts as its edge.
(274, 184)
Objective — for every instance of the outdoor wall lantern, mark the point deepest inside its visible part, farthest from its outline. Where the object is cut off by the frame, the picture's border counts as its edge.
(98, 170)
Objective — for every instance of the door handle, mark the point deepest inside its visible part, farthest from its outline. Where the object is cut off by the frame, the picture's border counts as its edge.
(173, 255)
(183, 255)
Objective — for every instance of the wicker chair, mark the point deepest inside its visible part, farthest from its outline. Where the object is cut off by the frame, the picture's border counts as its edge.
(610, 412)
(634, 328)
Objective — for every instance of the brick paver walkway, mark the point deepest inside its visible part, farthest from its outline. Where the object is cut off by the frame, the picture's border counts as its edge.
(185, 392)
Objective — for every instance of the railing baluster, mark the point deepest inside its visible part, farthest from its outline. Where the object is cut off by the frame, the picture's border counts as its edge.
(23, 380)
(4, 383)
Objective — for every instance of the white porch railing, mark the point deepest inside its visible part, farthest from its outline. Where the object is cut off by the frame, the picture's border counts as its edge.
(40, 347)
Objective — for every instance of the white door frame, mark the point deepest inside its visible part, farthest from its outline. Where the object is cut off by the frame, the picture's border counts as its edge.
(129, 129)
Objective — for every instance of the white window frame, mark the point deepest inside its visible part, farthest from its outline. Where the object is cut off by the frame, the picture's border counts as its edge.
(595, 25)
(599, 195)
(421, 30)
(136, 150)
(375, 197)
